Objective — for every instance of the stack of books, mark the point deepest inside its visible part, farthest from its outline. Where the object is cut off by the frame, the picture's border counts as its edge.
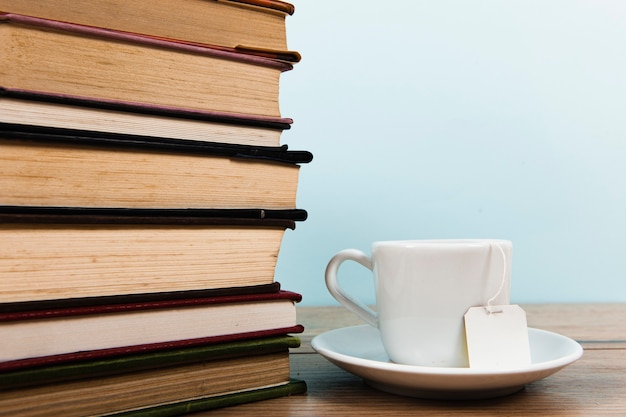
(144, 195)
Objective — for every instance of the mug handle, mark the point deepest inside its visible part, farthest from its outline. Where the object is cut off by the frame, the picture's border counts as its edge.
(357, 307)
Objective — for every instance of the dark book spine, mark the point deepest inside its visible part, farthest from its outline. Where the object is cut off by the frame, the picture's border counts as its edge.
(83, 302)
(94, 215)
(120, 140)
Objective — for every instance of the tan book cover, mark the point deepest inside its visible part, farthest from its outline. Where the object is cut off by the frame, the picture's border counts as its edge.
(51, 254)
(56, 167)
(253, 26)
(64, 58)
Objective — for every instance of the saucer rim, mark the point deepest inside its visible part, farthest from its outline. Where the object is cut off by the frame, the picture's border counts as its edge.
(562, 361)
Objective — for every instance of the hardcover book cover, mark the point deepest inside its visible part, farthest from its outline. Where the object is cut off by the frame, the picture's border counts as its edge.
(253, 26)
(140, 326)
(33, 108)
(32, 373)
(102, 169)
(50, 56)
(59, 253)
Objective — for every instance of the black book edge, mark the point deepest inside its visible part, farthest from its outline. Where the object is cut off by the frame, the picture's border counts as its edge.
(284, 219)
(276, 123)
(120, 140)
(79, 302)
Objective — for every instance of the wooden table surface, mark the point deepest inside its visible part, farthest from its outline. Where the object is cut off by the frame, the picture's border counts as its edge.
(595, 385)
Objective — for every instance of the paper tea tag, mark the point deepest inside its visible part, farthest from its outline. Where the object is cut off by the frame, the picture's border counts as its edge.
(497, 337)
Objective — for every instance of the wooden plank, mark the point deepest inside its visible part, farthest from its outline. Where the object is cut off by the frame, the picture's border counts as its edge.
(593, 325)
(593, 386)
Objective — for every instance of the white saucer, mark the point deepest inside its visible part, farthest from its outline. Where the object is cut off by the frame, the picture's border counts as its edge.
(359, 351)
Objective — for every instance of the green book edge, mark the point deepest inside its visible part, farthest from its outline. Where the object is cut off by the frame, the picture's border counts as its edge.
(294, 387)
(143, 361)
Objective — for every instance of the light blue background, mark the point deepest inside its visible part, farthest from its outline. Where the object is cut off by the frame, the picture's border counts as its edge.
(462, 119)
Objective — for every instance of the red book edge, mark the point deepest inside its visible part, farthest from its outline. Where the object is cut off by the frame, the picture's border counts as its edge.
(151, 347)
(189, 47)
(42, 314)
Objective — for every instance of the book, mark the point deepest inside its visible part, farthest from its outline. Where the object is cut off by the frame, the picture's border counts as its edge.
(253, 26)
(151, 406)
(65, 58)
(294, 387)
(26, 108)
(45, 333)
(32, 373)
(134, 382)
(102, 354)
(136, 298)
(144, 194)
(50, 253)
(61, 167)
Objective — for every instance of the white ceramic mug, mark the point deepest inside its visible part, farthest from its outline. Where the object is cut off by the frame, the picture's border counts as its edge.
(423, 289)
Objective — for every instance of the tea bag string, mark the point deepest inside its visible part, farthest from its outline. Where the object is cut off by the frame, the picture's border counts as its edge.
(490, 309)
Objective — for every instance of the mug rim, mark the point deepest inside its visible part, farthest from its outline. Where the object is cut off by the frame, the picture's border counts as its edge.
(409, 243)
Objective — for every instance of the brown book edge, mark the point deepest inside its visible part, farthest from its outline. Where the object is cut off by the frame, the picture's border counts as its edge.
(288, 56)
(277, 5)
(195, 48)
(152, 347)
